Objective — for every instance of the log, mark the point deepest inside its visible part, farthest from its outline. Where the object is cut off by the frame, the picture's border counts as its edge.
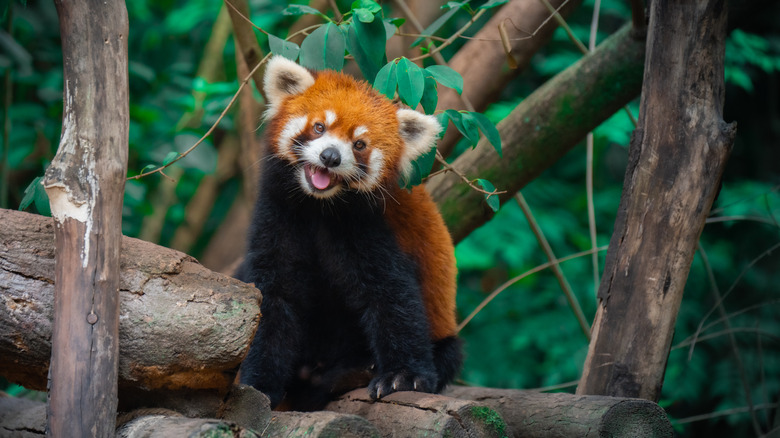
(403, 414)
(182, 327)
(85, 184)
(542, 128)
(533, 414)
(676, 159)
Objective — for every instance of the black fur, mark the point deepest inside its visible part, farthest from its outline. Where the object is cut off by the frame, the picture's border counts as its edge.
(340, 299)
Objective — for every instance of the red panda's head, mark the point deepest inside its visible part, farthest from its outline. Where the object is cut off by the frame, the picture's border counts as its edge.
(339, 132)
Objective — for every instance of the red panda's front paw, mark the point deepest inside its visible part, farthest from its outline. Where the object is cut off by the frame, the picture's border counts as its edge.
(390, 382)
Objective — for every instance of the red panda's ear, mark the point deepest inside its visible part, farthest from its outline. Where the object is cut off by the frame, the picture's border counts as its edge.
(284, 78)
(419, 133)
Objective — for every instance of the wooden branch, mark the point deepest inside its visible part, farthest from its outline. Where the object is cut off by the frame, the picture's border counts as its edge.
(85, 184)
(484, 57)
(532, 414)
(476, 412)
(676, 160)
(540, 130)
(419, 414)
(246, 41)
(182, 327)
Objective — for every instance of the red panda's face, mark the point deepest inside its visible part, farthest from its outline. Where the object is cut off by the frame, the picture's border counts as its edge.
(338, 132)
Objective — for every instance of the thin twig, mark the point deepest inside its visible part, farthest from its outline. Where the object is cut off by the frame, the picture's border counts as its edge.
(244, 17)
(732, 340)
(213, 126)
(448, 167)
(514, 280)
(724, 413)
(556, 269)
(594, 25)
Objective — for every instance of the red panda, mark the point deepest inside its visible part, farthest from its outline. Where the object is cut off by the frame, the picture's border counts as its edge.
(358, 275)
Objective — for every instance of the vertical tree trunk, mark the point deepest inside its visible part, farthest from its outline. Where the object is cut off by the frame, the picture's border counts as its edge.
(676, 160)
(85, 184)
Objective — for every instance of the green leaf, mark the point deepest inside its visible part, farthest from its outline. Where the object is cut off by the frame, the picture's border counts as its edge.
(147, 167)
(465, 124)
(421, 167)
(385, 80)
(172, 155)
(411, 82)
(324, 48)
(396, 22)
(493, 4)
(447, 77)
(284, 48)
(430, 97)
(470, 128)
(369, 5)
(439, 22)
(492, 200)
(303, 10)
(363, 15)
(489, 131)
(372, 39)
(35, 193)
(443, 119)
(369, 66)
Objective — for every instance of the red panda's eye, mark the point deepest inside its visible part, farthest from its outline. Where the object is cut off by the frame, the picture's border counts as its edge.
(359, 145)
(319, 128)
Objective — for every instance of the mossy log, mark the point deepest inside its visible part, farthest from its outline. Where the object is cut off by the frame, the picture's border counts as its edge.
(183, 329)
(533, 414)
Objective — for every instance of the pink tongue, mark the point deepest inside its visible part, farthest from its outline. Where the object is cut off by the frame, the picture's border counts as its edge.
(320, 178)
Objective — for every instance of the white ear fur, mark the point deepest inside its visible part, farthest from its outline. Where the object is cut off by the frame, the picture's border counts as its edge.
(284, 78)
(419, 133)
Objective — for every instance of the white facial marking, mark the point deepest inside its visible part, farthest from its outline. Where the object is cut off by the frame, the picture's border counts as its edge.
(360, 130)
(293, 127)
(330, 117)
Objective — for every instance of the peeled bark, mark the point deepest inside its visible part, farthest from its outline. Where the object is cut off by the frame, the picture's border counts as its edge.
(85, 184)
(676, 159)
(182, 327)
(539, 131)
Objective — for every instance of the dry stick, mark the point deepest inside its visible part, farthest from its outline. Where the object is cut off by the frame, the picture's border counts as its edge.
(452, 38)
(690, 339)
(565, 286)
(732, 339)
(514, 280)
(723, 413)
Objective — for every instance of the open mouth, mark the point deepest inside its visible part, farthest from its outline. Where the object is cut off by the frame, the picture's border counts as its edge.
(319, 178)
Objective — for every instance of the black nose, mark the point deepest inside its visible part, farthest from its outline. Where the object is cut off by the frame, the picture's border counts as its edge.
(330, 157)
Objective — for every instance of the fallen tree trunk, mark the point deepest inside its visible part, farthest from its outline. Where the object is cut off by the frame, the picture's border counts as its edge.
(532, 414)
(541, 129)
(182, 327)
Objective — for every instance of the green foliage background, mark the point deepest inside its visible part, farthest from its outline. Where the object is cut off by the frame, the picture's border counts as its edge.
(527, 337)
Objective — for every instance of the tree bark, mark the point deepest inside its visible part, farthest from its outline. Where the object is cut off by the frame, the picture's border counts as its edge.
(182, 327)
(546, 125)
(85, 184)
(676, 160)
(483, 56)
(531, 414)
(421, 414)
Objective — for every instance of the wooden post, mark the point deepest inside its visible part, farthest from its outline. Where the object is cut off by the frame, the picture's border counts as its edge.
(676, 160)
(85, 184)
